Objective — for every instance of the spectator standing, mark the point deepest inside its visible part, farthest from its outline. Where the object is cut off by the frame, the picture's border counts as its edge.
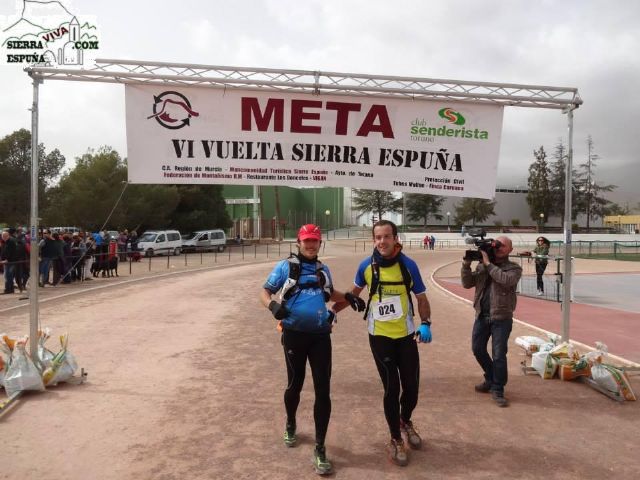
(494, 301)
(22, 263)
(66, 258)
(78, 250)
(58, 267)
(9, 257)
(133, 241)
(542, 259)
(89, 254)
(123, 238)
(24, 242)
(47, 256)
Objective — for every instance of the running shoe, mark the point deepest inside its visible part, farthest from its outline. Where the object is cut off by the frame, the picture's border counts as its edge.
(398, 452)
(290, 438)
(413, 439)
(321, 465)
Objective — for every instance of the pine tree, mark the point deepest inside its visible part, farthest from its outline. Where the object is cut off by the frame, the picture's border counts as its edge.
(421, 207)
(539, 195)
(377, 201)
(474, 209)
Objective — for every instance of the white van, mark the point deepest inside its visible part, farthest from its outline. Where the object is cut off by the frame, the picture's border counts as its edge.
(63, 229)
(203, 240)
(159, 242)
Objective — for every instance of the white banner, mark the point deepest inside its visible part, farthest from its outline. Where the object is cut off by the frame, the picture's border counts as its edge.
(243, 137)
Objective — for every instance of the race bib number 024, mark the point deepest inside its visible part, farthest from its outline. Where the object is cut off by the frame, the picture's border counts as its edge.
(388, 309)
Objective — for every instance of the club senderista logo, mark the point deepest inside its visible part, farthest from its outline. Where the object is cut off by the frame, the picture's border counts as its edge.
(452, 116)
(47, 33)
(423, 130)
(172, 110)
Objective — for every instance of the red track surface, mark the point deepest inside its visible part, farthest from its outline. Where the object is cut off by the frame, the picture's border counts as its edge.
(589, 324)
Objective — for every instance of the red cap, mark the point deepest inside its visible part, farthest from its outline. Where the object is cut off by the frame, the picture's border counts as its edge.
(309, 231)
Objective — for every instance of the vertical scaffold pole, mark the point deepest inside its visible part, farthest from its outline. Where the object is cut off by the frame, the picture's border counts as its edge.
(33, 261)
(568, 185)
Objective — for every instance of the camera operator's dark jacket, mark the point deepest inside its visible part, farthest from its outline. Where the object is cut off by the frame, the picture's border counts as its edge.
(504, 278)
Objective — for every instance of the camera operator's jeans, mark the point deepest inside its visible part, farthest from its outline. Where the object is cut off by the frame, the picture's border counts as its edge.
(9, 275)
(495, 369)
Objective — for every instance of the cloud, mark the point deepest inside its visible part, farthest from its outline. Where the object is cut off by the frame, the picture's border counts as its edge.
(589, 45)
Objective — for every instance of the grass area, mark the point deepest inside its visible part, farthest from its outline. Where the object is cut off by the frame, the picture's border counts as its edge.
(629, 257)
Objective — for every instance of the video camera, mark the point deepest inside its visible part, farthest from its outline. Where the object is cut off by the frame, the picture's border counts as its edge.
(488, 245)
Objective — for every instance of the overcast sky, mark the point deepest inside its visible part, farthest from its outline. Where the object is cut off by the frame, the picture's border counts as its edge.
(588, 44)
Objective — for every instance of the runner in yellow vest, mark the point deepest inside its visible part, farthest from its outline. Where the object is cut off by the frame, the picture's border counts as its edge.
(390, 277)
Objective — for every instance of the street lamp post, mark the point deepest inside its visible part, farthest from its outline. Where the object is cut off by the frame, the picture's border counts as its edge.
(541, 222)
(619, 224)
(327, 213)
(448, 218)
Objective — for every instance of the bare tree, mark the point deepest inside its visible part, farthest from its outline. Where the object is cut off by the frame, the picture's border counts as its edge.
(590, 193)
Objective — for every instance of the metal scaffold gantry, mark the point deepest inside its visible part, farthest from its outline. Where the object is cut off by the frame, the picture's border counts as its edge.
(309, 82)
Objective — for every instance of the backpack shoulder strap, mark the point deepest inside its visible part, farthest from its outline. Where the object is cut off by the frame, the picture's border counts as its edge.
(375, 285)
(294, 267)
(288, 289)
(324, 281)
(406, 278)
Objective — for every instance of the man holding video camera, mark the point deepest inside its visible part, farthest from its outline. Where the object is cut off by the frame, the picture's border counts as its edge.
(495, 279)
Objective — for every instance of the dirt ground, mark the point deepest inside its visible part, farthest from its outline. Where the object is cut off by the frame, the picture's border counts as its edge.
(186, 376)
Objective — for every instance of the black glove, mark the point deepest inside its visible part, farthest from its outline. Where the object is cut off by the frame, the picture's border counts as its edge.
(356, 302)
(279, 311)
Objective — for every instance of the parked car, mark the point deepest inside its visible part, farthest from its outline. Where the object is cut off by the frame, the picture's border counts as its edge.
(64, 229)
(204, 240)
(159, 242)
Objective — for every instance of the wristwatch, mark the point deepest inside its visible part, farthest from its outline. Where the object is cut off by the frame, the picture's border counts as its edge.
(426, 322)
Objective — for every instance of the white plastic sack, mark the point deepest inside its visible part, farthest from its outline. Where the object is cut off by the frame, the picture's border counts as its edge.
(546, 347)
(614, 380)
(530, 344)
(66, 370)
(544, 364)
(5, 360)
(22, 374)
(599, 355)
(61, 372)
(45, 356)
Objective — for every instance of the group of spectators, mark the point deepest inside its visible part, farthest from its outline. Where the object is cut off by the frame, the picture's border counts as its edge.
(65, 257)
(429, 242)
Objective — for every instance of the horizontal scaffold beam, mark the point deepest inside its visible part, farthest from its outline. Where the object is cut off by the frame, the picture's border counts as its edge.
(316, 82)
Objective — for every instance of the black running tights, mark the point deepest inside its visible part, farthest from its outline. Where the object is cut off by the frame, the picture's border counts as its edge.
(298, 347)
(398, 365)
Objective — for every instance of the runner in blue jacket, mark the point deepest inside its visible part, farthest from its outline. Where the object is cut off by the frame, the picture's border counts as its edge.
(305, 287)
